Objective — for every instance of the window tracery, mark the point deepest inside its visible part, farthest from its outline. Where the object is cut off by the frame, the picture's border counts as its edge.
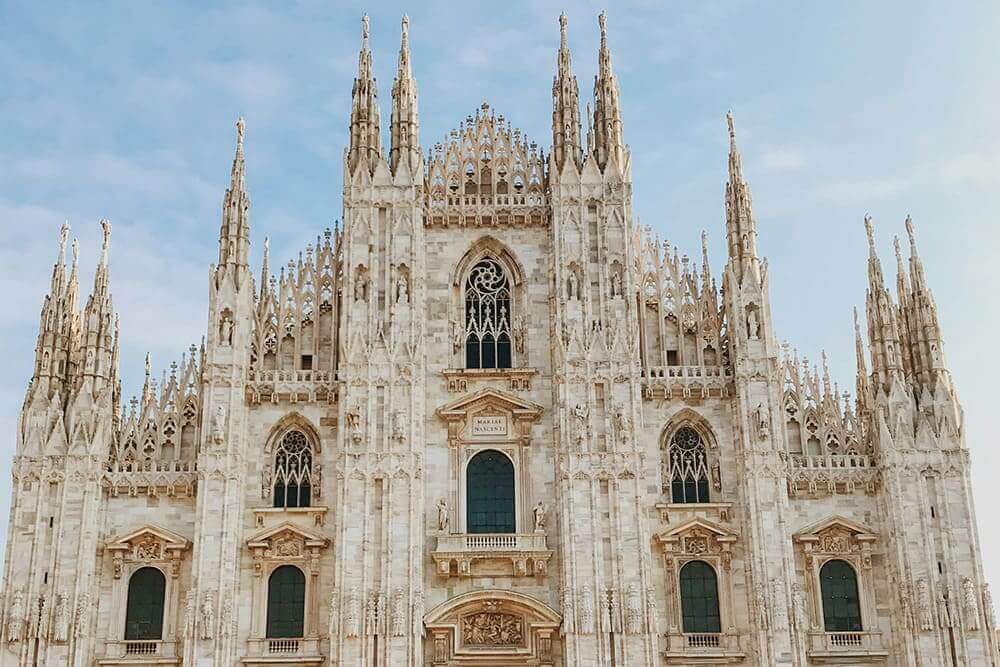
(293, 475)
(686, 471)
(488, 316)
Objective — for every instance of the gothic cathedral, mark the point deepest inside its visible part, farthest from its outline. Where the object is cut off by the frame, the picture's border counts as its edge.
(490, 421)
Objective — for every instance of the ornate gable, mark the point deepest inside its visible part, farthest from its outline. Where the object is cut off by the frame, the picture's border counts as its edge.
(149, 544)
(837, 536)
(697, 538)
(490, 414)
(286, 543)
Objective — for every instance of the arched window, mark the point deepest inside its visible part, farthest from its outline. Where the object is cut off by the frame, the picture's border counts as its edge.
(490, 493)
(293, 471)
(286, 602)
(144, 608)
(699, 598)
(839, 586)
(487, 316)
(687, 467)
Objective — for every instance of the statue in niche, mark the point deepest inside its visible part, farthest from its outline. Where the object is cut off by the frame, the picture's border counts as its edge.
(226, 327)
(402, 290)
(520, 327)
(970, 606)
(539, 513)
(753, 324)
(652, 613)
(572, 286)
(399, 613)
(190, 612)
(219, 424)
(399, 425)
(354, 425)
(623, 425)
(799, 613)
(208, 615)
(359, 287)
(579, 422)
(763, 422)
(442, 508)
(616, 284)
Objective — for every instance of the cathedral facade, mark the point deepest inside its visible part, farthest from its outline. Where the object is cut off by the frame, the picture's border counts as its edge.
(491, 421)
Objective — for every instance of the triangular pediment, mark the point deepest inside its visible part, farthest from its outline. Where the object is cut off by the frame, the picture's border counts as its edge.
(284, 531)
(169, 539)
(834, 523)
(694, 525)
(490, 398)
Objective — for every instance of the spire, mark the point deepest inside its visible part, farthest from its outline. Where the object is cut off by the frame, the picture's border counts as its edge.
(99, 329)
(920, 311)
(607, 110)
(565, 106)
(861, 381)
(234, 237)
(741, 228)
(404, 128)
(365, 126)
(883, 325)
(902, 285)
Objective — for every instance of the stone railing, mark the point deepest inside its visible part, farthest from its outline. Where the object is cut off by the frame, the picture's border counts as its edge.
(151, 477)
(711, 646)
(855, 645)
(153, 650)
(292, 385)
(686, 381)
(298, 650)
(828, 474)
(461, 554)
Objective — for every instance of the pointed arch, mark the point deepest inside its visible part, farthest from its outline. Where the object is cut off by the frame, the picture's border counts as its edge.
(488, 247)
(688, 417)
(687, 474)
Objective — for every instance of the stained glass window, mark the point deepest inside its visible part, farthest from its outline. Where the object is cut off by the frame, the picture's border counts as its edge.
(286, 602)
(490, 493)
(699, 598)
(686, 469)
(293, 471)
(841, 607)
(144, 608)
(487, 316)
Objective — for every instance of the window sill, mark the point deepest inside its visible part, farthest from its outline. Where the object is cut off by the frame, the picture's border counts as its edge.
(264, 516)
(860, 647)
(518, 379)
(141, 652)
(705, 647)
(291, 651)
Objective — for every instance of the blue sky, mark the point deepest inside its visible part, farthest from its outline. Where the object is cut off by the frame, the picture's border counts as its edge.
(126, 110)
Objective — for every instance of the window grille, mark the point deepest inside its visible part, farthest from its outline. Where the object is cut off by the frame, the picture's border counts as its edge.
(490, 493)
(293, 471)
(286, 603)
(686, 471)
(144, 607)
(839, 587)
(487, 316)
(699, 598)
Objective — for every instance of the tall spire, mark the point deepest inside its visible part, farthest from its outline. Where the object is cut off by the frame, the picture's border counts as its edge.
(365, 126)
(741, 227)
(405, 125)
(565, 106)
(926, 344)
(883, 325)
(607, 110)
(234, 237)
(98, 331)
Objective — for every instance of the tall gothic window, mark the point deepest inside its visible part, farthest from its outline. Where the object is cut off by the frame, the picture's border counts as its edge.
(699, 598)
(293, 471)
(144, 608)
(487, 316)
(687, 467)
(490, 493)
(841, 607)
(286, 602)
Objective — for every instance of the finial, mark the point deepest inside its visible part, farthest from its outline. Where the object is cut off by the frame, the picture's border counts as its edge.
(895, 245)
(732, 126)
(602, 21)
(76, 253)
(63, 237)
(241, 128)
(704, 243)
(562, 30)
(870, 230)
(267, 246)
(364, 29)
(406, 25)
(148, 364)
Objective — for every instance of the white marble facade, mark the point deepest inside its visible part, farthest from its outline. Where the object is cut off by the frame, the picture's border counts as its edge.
(624, 372)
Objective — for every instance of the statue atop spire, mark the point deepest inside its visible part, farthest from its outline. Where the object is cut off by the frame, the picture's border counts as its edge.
(607, 108)
(565, 106)
(365, 140)
(404, 123)
(234, 236)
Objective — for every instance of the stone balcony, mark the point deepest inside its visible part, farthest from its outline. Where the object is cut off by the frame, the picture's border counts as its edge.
(686, 381)
(692, 648)
(492, 554)
(856, 648)
(151, 478)
(152, 652)
(285, 651)
(828, 474)
(292, 386)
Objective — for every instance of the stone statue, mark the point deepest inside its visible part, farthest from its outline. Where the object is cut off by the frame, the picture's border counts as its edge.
(633, 610)
(571, 291)
(924, 606)
(763, 422)
(586, 610)
(82, 614)
(354, 425)
(567, 611)
(779, 604)
(623, 425)
(761, 600)
(579, 422)
(753, 325)
(208, 616)
(399, 613)
(190, 612)
(351, 613)
(219, 424)
(442, 515)
(62, 618)
(539, 516)
(616, 284)
(15, 623)
(945, 617)
(399, 425)
(970, 605)
(418, 613)
(652, 613)
(800, 614)
(402, 290)
(226, 619)
(226, 329)
(988, 606)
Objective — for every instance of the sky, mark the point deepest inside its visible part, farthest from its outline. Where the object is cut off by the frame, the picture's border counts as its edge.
(125, 110)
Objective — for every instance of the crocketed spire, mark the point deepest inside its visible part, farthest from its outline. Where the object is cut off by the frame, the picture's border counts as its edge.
(365, 126)
(565, 106)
